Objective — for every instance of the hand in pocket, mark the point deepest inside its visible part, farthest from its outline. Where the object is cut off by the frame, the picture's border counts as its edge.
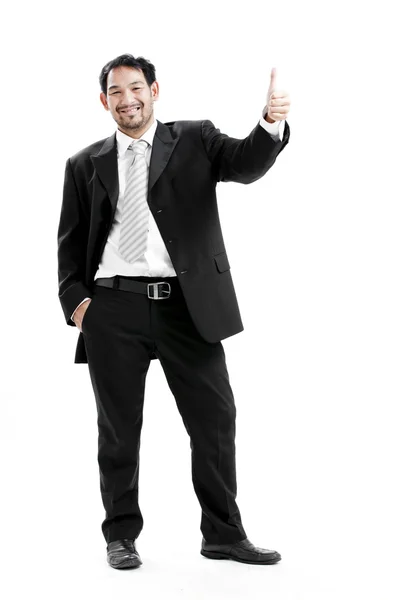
(80, 313)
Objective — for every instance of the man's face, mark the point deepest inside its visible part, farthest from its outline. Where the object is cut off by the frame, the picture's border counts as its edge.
(130, 100)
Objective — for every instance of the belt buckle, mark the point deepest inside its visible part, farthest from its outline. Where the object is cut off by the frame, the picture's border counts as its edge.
(157, 295)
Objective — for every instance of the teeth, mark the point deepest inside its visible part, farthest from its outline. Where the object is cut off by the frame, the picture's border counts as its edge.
(131, 110)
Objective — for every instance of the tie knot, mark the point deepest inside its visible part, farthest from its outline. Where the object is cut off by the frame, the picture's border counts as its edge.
(138, 147)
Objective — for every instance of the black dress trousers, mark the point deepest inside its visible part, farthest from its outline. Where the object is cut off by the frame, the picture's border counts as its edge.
(122, 331)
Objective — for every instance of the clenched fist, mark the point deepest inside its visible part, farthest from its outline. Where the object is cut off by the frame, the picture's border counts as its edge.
(80, 313)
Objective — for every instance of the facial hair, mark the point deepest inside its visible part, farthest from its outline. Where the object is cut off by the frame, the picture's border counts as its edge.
(134, 123)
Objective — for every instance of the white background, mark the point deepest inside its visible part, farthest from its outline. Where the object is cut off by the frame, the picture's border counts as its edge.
(314, 254)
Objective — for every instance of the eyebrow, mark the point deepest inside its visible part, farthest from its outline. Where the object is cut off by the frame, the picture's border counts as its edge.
(116, 86)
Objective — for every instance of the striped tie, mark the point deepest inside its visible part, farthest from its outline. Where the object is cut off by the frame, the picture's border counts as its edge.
(135, 214)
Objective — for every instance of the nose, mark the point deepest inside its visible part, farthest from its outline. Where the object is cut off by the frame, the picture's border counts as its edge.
(128, 97)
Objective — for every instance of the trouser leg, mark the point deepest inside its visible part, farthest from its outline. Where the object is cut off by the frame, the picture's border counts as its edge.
(115, 327)
(197, 376)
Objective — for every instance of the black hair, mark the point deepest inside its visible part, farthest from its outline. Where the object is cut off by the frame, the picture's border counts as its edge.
(127, 60)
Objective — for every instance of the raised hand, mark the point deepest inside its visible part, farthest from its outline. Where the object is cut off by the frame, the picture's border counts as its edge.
(278, 101)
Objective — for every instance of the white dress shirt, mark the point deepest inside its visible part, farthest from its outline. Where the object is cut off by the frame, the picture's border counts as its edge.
(156, 261)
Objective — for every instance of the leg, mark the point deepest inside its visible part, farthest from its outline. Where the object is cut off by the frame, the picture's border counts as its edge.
(197, 376)
(118, 349)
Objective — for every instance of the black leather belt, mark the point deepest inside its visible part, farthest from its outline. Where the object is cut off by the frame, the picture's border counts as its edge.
(156, 290)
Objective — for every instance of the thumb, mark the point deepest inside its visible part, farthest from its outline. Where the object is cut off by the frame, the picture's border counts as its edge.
(272, 84)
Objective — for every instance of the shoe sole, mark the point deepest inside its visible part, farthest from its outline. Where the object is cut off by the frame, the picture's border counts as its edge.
(221, 556)
(127, 564)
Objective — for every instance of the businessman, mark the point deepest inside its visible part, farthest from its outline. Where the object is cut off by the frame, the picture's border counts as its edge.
(144, 274)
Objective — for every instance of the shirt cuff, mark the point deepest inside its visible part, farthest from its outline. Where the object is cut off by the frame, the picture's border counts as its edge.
(274, 129)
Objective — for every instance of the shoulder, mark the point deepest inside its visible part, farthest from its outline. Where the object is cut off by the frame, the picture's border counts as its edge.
(184, 127)
(84, 154)
(193, 131)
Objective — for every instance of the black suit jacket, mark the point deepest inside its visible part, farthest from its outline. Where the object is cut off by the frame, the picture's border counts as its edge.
(188, 159)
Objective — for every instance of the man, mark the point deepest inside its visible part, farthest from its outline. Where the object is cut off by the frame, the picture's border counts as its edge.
(144, 274)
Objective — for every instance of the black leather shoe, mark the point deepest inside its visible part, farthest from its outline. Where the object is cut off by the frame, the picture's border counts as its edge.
(122, 554)
(243, 551)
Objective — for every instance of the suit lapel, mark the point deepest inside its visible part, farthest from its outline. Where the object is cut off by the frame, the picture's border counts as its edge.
(163, 146)
(106, 166)
(106, 162)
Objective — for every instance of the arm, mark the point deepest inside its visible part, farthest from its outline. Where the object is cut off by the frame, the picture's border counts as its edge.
(242, 160)
(72, 243)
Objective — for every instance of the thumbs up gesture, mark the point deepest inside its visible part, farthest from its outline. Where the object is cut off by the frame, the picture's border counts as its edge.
(278, 101)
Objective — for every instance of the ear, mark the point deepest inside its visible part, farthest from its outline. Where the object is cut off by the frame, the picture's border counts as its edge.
(155, 90)
(103, 100)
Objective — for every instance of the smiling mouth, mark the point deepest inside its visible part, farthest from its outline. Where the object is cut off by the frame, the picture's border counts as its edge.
(131, 111)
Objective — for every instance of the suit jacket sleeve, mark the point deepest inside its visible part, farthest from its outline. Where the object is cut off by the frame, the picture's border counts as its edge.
(241, 160)
(72, 245)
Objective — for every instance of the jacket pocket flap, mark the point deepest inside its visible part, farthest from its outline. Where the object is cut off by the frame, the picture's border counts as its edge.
(221, 260)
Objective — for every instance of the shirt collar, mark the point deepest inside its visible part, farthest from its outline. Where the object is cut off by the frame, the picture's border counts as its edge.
(123, 140)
